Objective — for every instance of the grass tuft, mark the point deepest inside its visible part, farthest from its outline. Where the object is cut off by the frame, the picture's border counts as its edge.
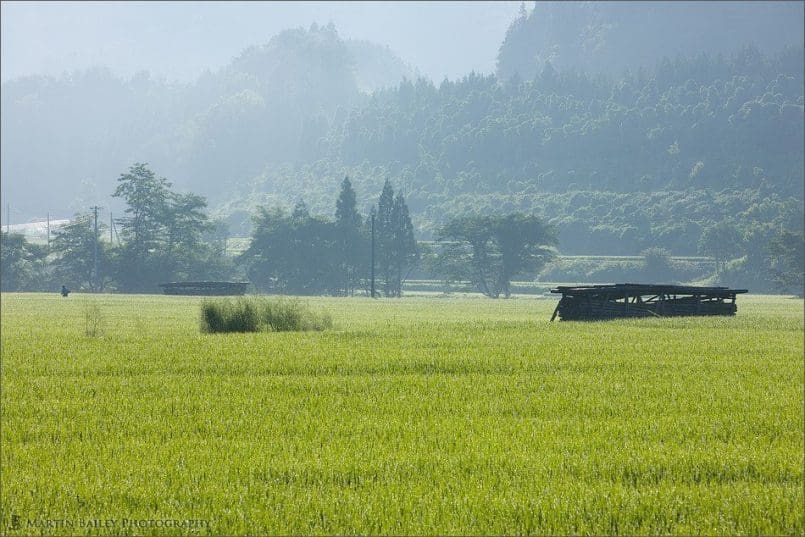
(226, 315)
(254, 314)
(94, 321)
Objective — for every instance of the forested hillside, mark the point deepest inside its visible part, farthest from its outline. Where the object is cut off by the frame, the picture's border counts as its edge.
(622, 165)
(612, 37)
(700, 123)
(652, 157)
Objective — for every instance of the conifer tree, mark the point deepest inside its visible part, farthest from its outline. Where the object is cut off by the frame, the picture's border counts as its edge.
(396, 246)
(384, 230)
(348, 231)
(405, 253)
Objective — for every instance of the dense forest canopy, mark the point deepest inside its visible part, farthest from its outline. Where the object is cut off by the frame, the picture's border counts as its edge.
(612, 37)
(673, 137)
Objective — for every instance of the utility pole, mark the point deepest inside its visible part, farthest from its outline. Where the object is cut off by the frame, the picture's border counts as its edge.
(373, 253)
(8, 218)
(48, 232)
(95, 251)
(113, 231)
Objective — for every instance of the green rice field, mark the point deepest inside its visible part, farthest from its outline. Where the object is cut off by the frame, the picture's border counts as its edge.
(418, 416)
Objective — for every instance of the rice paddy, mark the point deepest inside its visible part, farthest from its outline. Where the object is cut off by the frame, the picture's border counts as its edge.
(415, 416)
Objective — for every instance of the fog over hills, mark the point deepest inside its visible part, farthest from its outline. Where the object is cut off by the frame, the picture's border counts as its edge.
(615, 98)
(612, 37)
(179, 40)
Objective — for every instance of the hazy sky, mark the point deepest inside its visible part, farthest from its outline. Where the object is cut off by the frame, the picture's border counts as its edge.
(180, 39)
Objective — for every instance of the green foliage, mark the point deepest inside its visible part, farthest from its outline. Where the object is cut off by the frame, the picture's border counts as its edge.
(595, 269)
(230, 315)
(289, 109)
(163, 234)
(396, 247)
(254, 314)
(185, 225)
(289, 314)
(351, 237)
(146, 197)
(721, 241)
(74, 248)
(612, 38)
(385, 230)
(787, 253)
(476, 136)
(346, 212)
(474, 146)
(657, 264)
(295, 254)
(22, 264)
(143, 229)
(497, 248)
(304, 254)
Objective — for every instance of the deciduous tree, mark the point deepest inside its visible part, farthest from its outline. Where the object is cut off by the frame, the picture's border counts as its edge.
(74, 247)
(500, 247)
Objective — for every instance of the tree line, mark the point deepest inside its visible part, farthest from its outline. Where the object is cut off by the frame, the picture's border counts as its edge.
(167, 236)
(298, 253)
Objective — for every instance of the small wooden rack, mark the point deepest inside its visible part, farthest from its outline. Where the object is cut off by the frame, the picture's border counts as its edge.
(596, 302)
(204, 288)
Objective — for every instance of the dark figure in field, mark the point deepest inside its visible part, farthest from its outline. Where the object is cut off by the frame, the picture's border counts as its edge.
(64, 291)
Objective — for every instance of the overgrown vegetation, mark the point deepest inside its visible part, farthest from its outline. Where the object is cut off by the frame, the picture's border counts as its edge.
(255, 314)
(21, 263)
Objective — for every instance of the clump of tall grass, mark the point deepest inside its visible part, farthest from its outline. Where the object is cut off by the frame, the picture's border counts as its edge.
(94, 320)
(254, 314)
(226, 315)
(286, 314)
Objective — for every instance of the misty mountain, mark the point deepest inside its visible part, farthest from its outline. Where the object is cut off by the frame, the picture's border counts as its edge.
(67, 138)
(611, 37)
(179, 40)
(287, 120)
(376, 66)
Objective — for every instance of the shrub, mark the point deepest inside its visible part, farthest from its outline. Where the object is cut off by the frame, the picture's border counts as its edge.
(254, 314)
(657, 264)
(225, 315)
